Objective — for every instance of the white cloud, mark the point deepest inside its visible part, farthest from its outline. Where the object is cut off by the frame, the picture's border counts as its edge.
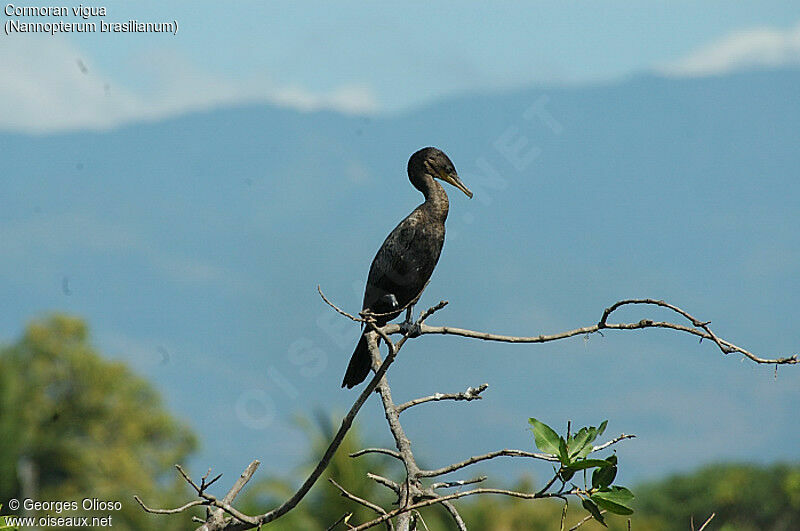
(47, 84)
(352, 99)
(752, 48)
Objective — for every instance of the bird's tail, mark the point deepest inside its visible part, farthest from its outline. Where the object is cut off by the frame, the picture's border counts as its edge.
(360, 364)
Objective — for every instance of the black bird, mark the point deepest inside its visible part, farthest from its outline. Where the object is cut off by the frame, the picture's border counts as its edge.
(405, 261)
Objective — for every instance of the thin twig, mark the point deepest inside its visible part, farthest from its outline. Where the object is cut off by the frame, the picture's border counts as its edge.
(455, 496)
(542, 338)
(707, 521)
(177, 510)
(371, 315)
(339, 521)
(188, 479)
(378, 509)
(454, 513)
(218, 516)
(384, 481)
(242, 481)
(549, 483)
(484, 457)
(339, 310)
(472, 393)
(612, 441)
(584, 520)
(384, 451)
(459, 483)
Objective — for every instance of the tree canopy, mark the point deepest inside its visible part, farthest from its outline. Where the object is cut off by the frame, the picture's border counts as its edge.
(76, 425)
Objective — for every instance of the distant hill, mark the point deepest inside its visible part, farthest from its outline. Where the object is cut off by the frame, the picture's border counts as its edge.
(194, 246)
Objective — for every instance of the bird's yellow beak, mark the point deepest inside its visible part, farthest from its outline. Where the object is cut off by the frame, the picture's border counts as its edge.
(455, 180)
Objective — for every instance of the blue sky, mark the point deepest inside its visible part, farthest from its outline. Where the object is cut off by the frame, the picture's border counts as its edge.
(369, 58)
(194, 234)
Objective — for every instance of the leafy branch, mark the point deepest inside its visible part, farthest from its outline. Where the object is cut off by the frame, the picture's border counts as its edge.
(572, 452)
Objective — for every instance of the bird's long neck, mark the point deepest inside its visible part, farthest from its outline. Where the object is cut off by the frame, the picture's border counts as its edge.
(435, 197)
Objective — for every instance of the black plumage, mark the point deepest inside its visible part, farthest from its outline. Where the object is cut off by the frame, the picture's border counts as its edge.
(406, 260)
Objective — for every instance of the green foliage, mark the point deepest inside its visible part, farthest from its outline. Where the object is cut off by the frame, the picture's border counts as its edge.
(572, 452)
(4, 525)
(744, 497)
(547, 440)
(659, 506)
(88, 427)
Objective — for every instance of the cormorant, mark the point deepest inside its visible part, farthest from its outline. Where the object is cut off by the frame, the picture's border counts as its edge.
(405, 261)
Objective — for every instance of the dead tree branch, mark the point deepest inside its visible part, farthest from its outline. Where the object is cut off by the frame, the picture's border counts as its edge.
(378, 509)
(472, 393)
(413, 494)
(699, 328)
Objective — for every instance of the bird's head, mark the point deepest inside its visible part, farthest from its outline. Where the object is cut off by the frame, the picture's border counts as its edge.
(438, 165)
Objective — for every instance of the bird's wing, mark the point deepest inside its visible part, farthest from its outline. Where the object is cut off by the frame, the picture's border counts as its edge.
(393, 275)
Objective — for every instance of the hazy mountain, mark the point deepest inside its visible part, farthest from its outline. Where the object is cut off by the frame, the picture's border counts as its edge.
(194, 246)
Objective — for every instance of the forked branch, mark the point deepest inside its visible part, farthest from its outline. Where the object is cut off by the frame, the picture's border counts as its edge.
(412, 495)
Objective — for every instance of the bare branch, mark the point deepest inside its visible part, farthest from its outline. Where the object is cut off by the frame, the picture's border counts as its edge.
(180, 509)
(484, 457)
(430, 311)
(584, 520)
(242, 481)
(707, 521)
(188, 479)
(549, 483)
(335, 442)
(455, 496)
(339, 521)
(412, 495)
(612, 441)
(339, 310)
(205, 485)
(701, 330)
(460, 483)
(383, 481)
(384, 451)
(409, 304)
(218, 517)
(454, 513)
(377, 508)
(472, 393)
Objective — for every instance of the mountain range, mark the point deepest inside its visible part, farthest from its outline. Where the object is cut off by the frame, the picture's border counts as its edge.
(194, 247)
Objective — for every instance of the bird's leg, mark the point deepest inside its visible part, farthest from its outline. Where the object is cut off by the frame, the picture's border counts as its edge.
(408, 327)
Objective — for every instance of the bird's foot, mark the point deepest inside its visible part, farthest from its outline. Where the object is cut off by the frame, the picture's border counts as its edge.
(409, 327)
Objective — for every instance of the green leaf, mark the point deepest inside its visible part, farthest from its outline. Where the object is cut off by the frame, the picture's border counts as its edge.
(547, 440)
(612, 507)
(566, 474)
(614, 500)
(588, 463)
(604, 476)
(563, 454)
(590, 506)
(591, 434)
(577, 442)
(616, 494)
(585, 451)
